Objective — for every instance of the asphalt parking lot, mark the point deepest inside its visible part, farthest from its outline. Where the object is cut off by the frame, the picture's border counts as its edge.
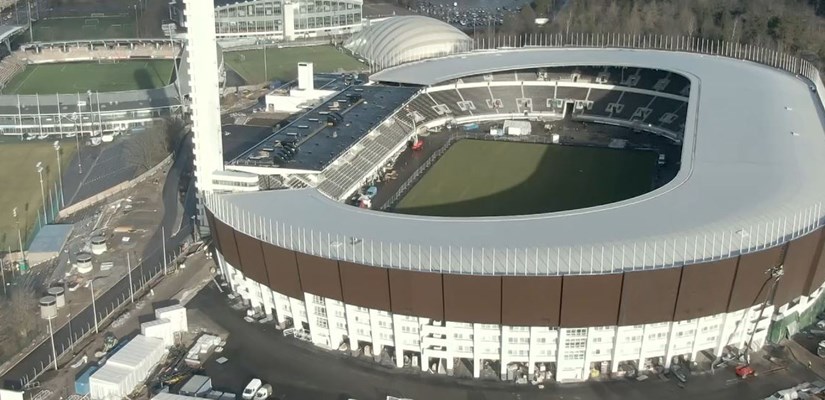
(102, 167)
(297, 370)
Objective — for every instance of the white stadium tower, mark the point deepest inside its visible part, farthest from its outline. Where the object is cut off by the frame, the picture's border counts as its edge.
(717, 261)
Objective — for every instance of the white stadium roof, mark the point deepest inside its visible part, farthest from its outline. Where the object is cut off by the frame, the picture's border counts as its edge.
(751, 176)
(410, 37)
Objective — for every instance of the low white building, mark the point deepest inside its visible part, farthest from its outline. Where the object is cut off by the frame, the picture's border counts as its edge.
(126, 369)
(299, 98)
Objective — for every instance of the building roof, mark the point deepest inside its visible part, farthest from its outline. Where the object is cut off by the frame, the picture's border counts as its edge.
(410, 37)
(135, 352)
(319, 144)
(51, 238)
(751, 177)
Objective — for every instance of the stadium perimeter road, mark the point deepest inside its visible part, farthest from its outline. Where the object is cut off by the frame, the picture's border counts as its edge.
(298, 370)
(151, 264)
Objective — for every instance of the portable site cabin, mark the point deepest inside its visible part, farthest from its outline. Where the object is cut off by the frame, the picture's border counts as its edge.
(126, 369)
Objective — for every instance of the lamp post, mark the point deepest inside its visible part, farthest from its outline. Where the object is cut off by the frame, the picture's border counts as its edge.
(3, 274)
(51, 335)
(39, 167)
(71, 334)
(163, 246)
(59, 170)
(94, 303)
(129, 271)
(19, 235)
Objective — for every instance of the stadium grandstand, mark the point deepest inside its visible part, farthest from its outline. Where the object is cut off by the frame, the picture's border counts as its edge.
(281, 20)
(84, 111)
(716, 261)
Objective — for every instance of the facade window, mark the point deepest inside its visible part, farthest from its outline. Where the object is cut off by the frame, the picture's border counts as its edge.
(320, 311)
(634, 338)
(384, 324)
(577, 332)
(322, 323)
(341, 325)
(686, 333)
(657, 336)
(574, 355)
(574, 343)
(409, 329)
(339, 314)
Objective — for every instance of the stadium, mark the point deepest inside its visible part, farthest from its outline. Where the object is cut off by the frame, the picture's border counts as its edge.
(90, 87)
(627, 261)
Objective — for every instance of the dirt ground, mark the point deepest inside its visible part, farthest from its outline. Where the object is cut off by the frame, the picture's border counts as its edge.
(133, 215)
(178, 288)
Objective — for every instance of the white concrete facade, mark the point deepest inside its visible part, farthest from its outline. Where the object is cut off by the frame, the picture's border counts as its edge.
(570, 354)
(205, 94)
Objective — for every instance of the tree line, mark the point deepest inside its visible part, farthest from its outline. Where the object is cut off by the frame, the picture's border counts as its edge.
(794, 26)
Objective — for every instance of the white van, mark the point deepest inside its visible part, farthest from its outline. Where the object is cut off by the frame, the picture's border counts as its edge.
(251, 388)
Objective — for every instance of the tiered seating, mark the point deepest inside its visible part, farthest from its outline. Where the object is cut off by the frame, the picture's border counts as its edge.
(296, 182)
(11, 66)
(451, 99)
(356, 166)
(90, 52)
(571, 93)
(481, 99)
(422, 105)
(540, 95)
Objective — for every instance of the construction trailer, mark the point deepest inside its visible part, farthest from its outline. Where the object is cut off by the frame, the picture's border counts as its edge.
(127, 369)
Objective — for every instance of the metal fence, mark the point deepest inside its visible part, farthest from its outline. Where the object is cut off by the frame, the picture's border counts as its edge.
(770, 57)
(142, 278)
(405, 187)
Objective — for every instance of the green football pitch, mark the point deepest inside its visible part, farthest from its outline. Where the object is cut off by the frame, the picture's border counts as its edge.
(18, 173)
(282, 64)
(81, 28)
(94, 76)
(487, 178)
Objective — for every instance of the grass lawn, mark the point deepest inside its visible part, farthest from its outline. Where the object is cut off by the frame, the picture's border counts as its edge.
(79, 28)
(18, 174)
(282, 64)
(486, 178)
(94, 76)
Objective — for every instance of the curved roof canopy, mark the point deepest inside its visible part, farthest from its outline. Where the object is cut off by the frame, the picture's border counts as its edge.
(409, 38)
(751, 177)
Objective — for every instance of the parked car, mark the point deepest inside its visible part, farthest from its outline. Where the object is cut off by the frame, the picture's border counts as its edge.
(251, 389)
(264, 392)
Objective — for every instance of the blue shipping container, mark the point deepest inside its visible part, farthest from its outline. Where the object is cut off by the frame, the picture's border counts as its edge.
(81, 383)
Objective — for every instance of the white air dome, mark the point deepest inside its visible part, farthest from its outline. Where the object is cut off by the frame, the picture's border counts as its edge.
(407, 38)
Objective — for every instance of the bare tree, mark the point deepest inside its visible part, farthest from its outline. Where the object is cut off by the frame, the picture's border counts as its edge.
(21, 313)
(155, 144)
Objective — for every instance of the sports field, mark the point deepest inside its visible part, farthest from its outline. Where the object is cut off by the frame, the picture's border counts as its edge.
(282, 64)
(80, 28)
(94, 76)
(22, 183)
(485, 178)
